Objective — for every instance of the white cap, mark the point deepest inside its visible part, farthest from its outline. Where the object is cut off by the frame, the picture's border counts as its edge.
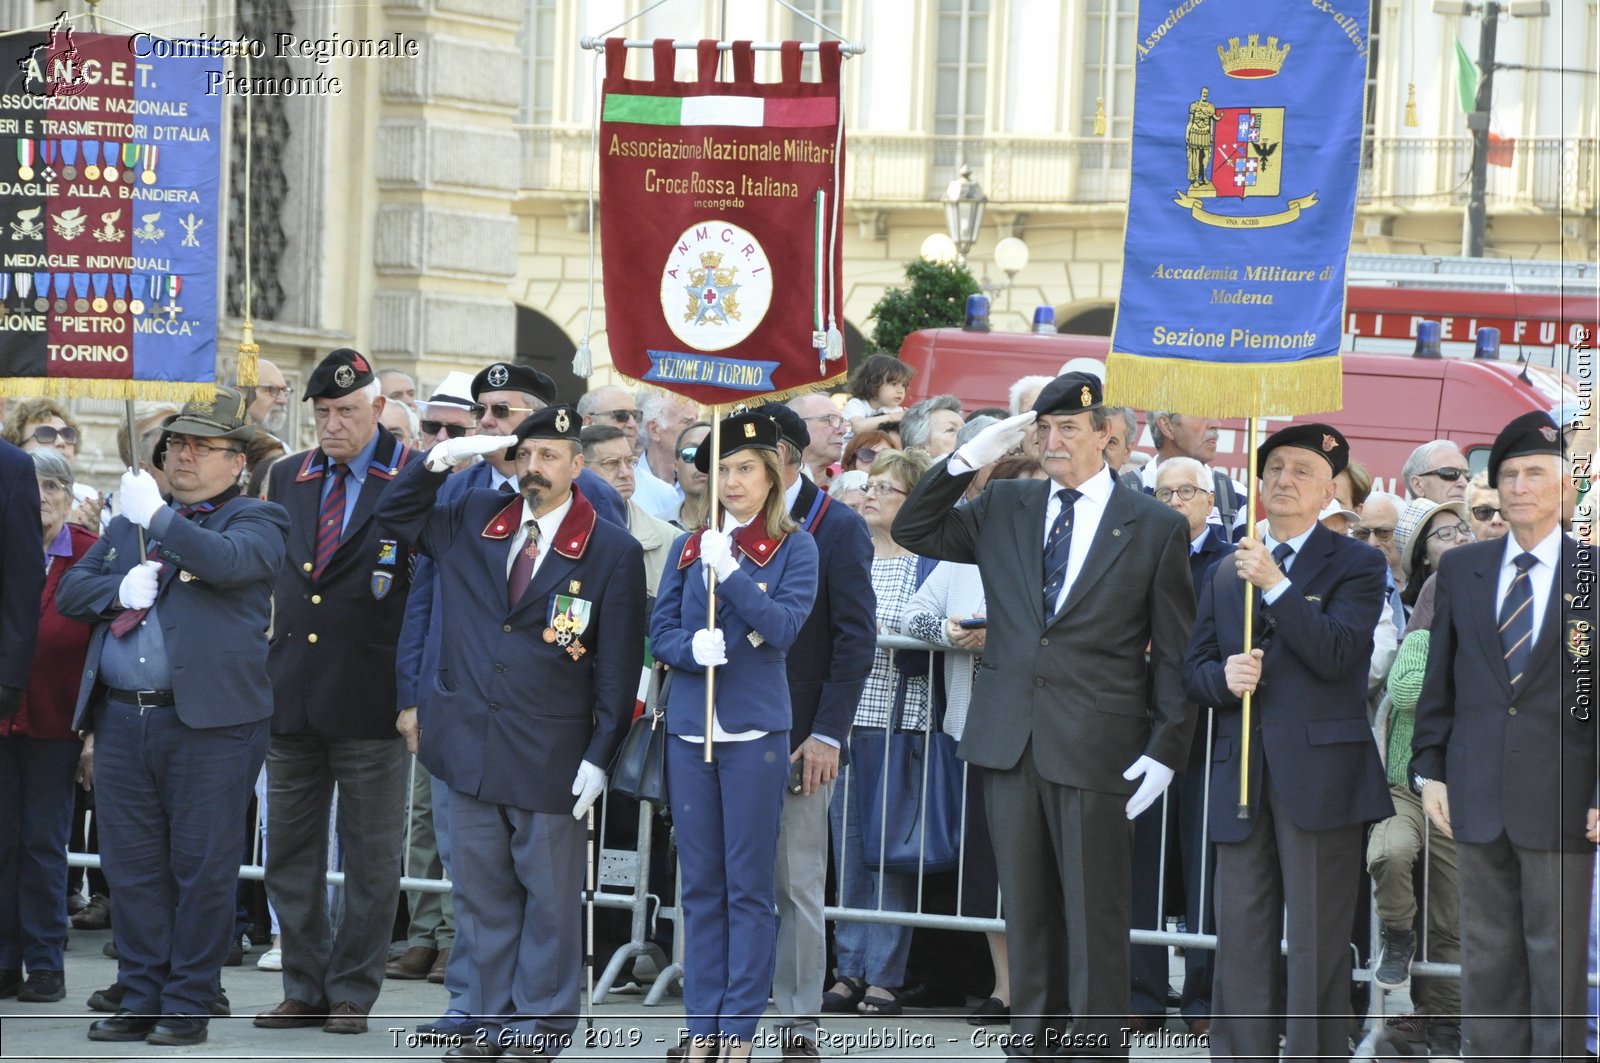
(454, 391)
(1334, 509)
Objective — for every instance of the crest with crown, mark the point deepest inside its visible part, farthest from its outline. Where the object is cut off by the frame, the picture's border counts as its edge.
(1252, 60)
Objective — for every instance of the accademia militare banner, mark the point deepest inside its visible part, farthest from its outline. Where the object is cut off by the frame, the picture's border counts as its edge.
(1246, 154)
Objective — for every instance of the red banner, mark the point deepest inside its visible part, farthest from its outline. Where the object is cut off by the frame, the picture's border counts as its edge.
(719, 219)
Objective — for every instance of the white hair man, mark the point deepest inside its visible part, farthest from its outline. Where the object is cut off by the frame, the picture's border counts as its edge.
(663, 416)
(270, 407)
(828, 428)
(1437, 471)
(614, 406)
(398, 386)
(1177, 435)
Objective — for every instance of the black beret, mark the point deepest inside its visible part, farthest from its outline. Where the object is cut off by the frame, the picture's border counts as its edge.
(509, 376)
(337, 375)
(791, 425)
(742, 431)
(1323, 439)
(1069, 393)
(1534, 432)
(552, 422)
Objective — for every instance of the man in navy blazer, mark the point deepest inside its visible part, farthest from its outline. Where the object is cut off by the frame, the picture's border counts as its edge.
(1314, 775)
(175, 689)
(21, 578)
(828, 666)
(538, 664)
(1504, 753)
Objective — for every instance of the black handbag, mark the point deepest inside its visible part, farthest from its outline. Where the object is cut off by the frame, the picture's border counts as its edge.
(898, 768)
(640, 768)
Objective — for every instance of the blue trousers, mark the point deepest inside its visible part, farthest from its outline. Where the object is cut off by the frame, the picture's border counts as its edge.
(170, 800)
(36, 776)
(460, 973)
(874, 951)
(727, 814)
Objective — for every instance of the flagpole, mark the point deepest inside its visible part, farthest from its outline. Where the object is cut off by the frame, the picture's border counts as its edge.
(715, 440)
(1249, 617)
(135, 451)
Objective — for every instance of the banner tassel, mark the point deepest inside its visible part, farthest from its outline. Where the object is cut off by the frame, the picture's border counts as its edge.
(1411, 106)
(1100, 116)
(1225, 389)
(249, 355)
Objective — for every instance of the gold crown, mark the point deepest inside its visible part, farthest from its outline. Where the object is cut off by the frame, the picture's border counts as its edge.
(1252, 59)
(711, 259)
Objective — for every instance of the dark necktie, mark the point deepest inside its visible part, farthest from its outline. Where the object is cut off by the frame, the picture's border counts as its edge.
(330, 522)
(1281, 554)
(522, 565)
(1516, 619)
(1057, 547)
(506, 488)
(128, 619)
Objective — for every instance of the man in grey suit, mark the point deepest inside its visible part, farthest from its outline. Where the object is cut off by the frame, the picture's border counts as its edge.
(1083, 574)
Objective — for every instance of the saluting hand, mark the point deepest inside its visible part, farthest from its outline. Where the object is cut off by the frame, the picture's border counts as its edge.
(450, 452)
(996, 441)
(1242, 672)
(1255, 564)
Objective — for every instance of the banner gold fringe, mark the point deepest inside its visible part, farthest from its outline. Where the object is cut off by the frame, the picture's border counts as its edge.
(1225, 389)
(19, 387)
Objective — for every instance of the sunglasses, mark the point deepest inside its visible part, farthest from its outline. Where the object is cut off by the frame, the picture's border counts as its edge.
(501, 410)
(686, 455)
(1383, 535)
(619, 416)
(433, 428)
(46, 435)
(1449, 474)
(1485, 513)
(866, 455)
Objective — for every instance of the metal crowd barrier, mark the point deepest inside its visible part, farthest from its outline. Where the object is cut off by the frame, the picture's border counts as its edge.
(623, 884)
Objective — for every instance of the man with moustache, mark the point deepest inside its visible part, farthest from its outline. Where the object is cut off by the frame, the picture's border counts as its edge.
(1078, 711)
(1185, 435)
(1503, 754)
(538, 664)
(338, 606)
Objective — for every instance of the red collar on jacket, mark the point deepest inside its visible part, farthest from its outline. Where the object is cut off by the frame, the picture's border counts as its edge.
(751, 540)
(388, 458)
(572, 538)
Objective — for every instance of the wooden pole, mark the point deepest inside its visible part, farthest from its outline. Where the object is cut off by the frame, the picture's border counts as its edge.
(712, 521)
(135, 450)
(1249, 616)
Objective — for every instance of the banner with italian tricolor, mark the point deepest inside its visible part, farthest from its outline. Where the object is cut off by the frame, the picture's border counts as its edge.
(719, 219)
(110, 202)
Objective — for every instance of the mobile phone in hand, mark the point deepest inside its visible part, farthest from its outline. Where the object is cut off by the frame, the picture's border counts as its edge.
(797, 777)
(973, 622)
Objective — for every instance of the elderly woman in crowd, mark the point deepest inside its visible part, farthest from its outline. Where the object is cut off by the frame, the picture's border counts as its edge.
(34, 424)
(872, 957)
(39, 758)
(1425, 531)
(727, 812)
(953, 594)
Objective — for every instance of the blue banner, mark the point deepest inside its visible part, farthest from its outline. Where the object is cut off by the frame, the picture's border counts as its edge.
(741, 374)
(1246, 157)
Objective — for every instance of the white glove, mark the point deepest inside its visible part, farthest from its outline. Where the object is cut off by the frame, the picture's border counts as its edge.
(1156, 777)
(141, 498)
(586, 786)
(455, 451)
(716, 550)
(139, 586)
(996, 441)
(709, 649)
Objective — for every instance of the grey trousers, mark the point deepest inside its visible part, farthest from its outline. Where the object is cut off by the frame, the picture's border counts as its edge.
(801, 960)
(433, 915)
(322, 965)
(1316, 875)
(1524, 947)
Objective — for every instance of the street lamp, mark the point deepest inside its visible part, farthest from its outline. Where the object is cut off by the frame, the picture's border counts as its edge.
(963, 211)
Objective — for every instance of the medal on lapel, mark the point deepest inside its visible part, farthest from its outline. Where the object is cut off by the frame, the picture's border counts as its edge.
(568, 618)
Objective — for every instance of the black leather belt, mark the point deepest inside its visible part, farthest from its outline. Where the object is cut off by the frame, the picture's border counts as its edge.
(145, 699)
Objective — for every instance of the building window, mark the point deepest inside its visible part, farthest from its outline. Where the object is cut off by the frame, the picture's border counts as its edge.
(961, 72)
(1112, 21)
(828, 12)
(539, 45)
(269, 133)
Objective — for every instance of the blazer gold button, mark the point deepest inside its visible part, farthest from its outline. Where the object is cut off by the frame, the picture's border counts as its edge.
(306, 567)
(507, 629)
(316, 599)
(1044, 642)
(311, 637)
(1512, 711)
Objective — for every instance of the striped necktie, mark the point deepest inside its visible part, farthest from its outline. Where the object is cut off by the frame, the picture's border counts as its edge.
(330, 522)
(1516, 619)
(1057, 548)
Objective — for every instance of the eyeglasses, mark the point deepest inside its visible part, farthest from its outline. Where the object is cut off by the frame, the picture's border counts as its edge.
(1451, 533)
(686, 455)
(1364, 533)
(274, 391)
(612, 465)
(833, 420)
(433, 428)
(201, 450)
(619, 416)
(882, 487)
(1485, 513)
(501, 410)
(51, 487)
(1184, 492)
(1449, 474)
(43, 433)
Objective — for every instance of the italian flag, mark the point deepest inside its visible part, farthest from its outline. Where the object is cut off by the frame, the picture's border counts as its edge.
(720, 110)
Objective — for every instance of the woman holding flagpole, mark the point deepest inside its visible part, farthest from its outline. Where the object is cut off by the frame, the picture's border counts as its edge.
(726, 808)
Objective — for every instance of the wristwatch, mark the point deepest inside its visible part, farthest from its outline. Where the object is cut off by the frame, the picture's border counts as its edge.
(1418, 781)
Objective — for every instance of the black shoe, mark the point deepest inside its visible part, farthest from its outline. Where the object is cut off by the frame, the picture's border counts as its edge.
(219, 1007)
(109, 998)
(178, 1030)
(1393, 969)
(236, 951)
(43, 987)
(1444, 1040)
(990, 1013)
(109, 951)
(10, 981)
(123, 1026)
